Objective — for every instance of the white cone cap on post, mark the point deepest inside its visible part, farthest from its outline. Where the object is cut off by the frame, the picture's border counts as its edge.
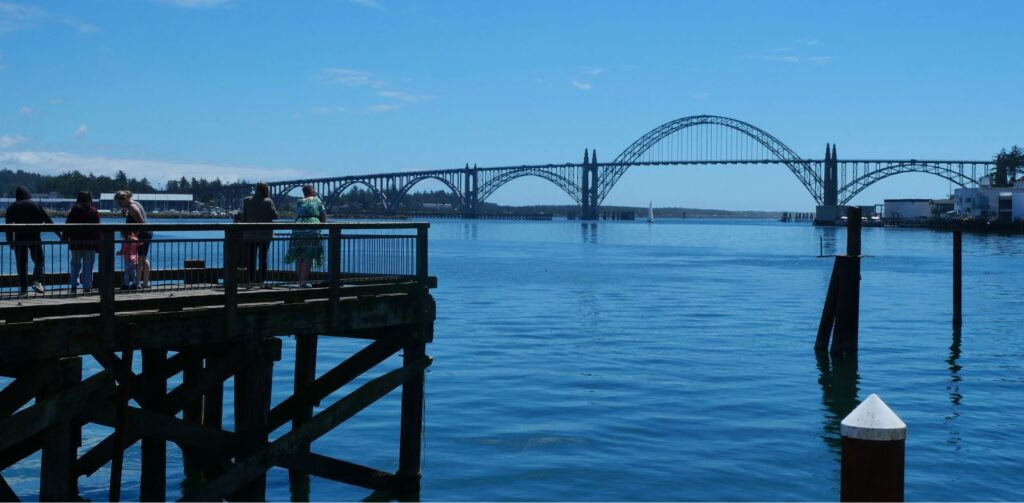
(873, 420)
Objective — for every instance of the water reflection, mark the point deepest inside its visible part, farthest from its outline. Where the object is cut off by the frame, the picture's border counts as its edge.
(588, 231)
(827, 242)
(469, 231)
(839, 382)
(954, 389)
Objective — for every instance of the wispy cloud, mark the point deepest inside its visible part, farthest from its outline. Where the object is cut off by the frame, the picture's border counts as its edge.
(8, 141)
(81, 27)
(380, 88)
(593, 71)
(808, 41)
(368, 3)
(53, 163)
(322, 110)
(14, 17)
(25, 111)
(781, 59)
(81, 131)
(401, 96)
(792, 59)
(703, 95)
(384, 107)
(581, 85)
(196, 4)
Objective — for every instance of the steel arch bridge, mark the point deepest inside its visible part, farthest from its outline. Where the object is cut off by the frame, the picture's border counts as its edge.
(695, 140)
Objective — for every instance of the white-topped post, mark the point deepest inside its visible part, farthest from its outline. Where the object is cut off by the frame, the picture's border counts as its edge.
(874, 440)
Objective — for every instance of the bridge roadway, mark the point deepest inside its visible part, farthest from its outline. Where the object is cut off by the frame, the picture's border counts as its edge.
(690, 141)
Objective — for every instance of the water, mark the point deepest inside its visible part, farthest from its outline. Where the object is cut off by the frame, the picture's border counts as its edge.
(627, 361)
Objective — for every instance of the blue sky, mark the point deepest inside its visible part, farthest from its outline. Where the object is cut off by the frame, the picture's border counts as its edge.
(278, 90)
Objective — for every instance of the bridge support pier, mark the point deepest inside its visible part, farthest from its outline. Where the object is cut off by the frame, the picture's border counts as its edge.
(589, 184)
(471, 184)
(829, 212)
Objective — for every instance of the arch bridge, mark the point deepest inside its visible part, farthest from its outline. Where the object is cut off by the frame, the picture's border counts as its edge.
(689, 141)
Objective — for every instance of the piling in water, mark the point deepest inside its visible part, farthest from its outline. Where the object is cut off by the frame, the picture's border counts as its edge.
(957, 275)
(874, 439)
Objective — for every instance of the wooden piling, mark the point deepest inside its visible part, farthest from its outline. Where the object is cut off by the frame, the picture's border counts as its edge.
(957, 276)
(154, 450)
(192, 368)
(57, 478)
(840, 316)
(305, 375)
(252, 407)
(873, 452)
(408, 477)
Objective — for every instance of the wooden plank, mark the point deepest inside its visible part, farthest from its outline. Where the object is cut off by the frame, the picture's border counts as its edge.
(340, 375)
(20, 450)
(57, 480)
(77, 336)
(60, 406)
(255, 465)
(338, 471)
(147, 423)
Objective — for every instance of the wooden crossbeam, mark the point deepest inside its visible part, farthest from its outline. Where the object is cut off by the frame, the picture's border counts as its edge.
(176, 400)
(339, 471)
(59, 407)
(281, 449)
(6, 493)
(18, 393)
(340, 375)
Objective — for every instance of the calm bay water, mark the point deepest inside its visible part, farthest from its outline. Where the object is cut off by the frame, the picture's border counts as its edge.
(674, 361)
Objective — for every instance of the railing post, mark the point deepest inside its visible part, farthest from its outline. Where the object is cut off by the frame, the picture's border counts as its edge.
(333, 272)
(230, 250)
(421, 254)
(106, 284)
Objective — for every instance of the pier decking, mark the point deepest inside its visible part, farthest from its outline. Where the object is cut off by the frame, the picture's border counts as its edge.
(205, 317)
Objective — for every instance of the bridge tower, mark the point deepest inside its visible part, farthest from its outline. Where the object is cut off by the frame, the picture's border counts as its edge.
(828, 213)
(589, 183)
(470, 183)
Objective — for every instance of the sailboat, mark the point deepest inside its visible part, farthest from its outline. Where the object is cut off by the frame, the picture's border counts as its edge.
(650, 212)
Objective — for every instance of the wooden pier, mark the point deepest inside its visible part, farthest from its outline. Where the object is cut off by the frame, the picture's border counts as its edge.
(209, 324)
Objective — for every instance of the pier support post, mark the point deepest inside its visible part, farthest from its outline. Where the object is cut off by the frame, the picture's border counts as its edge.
(252, 409)
(193, 412)
(957, 275)
(305, 374)
(407, 480)
(154, 450)
(57, 478)
(873, 452)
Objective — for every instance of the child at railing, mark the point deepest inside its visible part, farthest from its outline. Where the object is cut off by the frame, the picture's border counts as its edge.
(129, 259)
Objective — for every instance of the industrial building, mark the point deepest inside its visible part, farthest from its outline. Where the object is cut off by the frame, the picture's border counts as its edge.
(152, 202)
(990, 203)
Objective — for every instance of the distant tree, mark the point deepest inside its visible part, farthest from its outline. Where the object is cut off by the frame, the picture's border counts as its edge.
(1008, 165)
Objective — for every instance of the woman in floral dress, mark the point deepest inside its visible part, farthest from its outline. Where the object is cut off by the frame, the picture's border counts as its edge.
(305, 248)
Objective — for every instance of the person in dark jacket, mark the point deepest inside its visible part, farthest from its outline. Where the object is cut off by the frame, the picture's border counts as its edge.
(258, 208)
(82, 244)
(26, 243)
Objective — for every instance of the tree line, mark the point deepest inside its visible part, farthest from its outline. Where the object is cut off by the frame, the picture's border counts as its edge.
(71, 183)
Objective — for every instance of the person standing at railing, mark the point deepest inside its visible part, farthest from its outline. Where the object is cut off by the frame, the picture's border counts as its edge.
(130, 245)
(26, 243)
(82, 244)
(305, 248)
(135, 214)
(258, 208)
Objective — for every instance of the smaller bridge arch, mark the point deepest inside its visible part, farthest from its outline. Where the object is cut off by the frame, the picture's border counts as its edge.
(944, 170)
(411, 182)
(560, 175)
(331, 200)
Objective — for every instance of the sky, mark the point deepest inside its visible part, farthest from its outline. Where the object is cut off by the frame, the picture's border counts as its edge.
(281, 90)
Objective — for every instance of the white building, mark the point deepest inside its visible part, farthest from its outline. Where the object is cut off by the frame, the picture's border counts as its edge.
(987, 202)
(152, 202)
(907, 209)
(1018, 206)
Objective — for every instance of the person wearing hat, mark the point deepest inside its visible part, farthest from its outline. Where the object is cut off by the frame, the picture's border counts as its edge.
(82, 244)
(27, 243)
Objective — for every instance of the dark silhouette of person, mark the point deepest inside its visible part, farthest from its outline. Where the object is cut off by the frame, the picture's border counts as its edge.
(258, 208)
(27, 243)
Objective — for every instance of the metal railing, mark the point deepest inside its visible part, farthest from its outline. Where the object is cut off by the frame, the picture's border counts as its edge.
(132, 258)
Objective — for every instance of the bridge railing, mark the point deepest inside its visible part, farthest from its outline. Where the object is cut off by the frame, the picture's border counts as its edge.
(228, 257)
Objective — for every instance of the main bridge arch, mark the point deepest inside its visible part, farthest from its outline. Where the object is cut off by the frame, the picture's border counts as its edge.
(706, 138)
(566, 177)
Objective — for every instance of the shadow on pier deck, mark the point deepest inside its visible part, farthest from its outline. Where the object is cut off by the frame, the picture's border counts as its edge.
(206, 317)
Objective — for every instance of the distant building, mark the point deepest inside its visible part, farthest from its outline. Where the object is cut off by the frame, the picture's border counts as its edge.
(48, 203)
(987, 202)
(908, 209)
(152, 202)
